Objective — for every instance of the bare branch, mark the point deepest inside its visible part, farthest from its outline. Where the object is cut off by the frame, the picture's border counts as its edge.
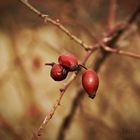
(98, 62)
(62, 91)
(58, 100)
(54, 107)
(121, 52)
(68, 119)
(89, 50)
(31, 7)
(56, 23)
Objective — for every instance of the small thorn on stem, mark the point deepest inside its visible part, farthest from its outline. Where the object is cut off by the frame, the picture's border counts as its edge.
(80, 65)
(61, 90)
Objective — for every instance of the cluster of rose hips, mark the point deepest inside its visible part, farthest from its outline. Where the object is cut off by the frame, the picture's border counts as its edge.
(68, 63)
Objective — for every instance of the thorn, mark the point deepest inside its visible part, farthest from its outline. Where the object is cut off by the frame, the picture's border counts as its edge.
(80, 65)
(61, 90)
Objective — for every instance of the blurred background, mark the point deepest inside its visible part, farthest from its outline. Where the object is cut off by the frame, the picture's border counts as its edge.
(27, 91)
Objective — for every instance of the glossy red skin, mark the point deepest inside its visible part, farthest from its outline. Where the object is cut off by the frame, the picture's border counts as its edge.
(69, 62)
(90, 82)
(58, 73)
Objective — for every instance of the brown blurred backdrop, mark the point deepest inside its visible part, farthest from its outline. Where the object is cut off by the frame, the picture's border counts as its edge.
(27, 92)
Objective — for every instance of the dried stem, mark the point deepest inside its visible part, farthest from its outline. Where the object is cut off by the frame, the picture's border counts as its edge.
(121, 52)
(79, 41)
(89, 50)
(62, 91)
(76, 101)
(118, 51)
(98, 62)
(68, 119)
(47, 19)
(54, 107)
(62, 28)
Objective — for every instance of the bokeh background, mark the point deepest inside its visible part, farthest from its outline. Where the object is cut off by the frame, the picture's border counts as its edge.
(27, 91)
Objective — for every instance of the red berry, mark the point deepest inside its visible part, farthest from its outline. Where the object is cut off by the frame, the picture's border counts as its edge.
(58, 73)
(69, 62)
(90, 82)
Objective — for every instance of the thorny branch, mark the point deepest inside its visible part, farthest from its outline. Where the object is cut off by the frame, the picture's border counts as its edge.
(121, 52)
(58, 100)
(47, 19)
(113, 36)
(98, 62)
(57, 23)
(54, 107)
(68, 119)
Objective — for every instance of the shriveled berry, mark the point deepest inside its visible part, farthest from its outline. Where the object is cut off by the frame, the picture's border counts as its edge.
(58, 73)
(90, 82)
(69, 61)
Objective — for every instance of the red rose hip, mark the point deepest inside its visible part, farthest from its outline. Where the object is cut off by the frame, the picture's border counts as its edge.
(69, 62)
(58, 73)
(90, 82)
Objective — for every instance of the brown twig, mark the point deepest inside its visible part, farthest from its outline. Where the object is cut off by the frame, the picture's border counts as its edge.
(116, 50)
(89, 50)
(76, 101)
(57, 23)
(54, 107)
(121, 52)
(62, 91)
(68, 119)
(98, 62)
(76, 39)
(123, 27)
